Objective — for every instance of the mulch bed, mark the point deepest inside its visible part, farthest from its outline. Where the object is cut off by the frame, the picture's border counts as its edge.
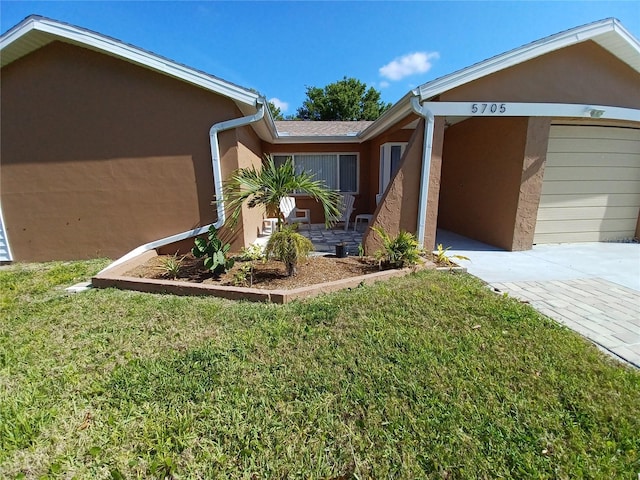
(270, 275)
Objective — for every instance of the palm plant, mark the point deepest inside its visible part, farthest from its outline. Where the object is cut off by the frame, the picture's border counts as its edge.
(289, 247)
(270, 184)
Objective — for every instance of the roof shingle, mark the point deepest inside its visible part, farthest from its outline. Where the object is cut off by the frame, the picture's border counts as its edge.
(303, 128)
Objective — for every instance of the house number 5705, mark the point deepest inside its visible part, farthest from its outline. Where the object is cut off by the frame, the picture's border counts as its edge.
(488, 108)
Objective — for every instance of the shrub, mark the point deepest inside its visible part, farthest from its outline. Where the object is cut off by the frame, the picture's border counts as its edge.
(289, 247)
(398, 251)
(250, 253)
(214, 251)
(442, 258)
(171, 265)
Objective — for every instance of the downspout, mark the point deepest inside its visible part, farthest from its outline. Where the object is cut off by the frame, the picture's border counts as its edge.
(215, 155)
(217, 185)
(426, 164)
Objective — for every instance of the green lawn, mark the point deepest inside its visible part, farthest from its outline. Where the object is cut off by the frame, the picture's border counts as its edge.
(429, 376)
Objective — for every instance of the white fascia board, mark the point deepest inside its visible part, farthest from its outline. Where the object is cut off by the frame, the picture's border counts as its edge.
(132, 54)
(396, 113)
(520, 55)
(626, 36)
(512, 109)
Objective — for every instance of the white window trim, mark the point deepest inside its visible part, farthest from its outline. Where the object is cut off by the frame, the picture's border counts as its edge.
(337, 154)
(384, 177)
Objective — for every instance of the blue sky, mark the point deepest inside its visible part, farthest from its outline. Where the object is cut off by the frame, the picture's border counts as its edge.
(278, 48)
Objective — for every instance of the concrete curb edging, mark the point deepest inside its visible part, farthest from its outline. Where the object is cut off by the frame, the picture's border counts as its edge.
(117, 278)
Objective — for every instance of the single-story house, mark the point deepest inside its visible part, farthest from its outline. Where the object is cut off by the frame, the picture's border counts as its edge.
(106, 147)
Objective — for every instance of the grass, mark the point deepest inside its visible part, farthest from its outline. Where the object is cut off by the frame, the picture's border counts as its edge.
(428, 376)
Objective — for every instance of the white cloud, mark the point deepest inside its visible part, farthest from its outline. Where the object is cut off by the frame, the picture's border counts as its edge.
(283, 106)
(384, 84)
(410, 64)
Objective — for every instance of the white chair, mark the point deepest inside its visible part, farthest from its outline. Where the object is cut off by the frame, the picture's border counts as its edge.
(290, 212)
(367, 217)
(345, 207)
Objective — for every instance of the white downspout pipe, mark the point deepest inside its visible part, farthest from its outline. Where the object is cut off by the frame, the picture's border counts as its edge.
(215, 155)
(427, 149)
(217, 184)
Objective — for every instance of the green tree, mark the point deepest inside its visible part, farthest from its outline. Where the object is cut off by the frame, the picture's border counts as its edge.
(276, 113)
(346, 99)
(270, 184)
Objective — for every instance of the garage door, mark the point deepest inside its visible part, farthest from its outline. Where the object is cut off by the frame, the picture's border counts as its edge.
(591, 187)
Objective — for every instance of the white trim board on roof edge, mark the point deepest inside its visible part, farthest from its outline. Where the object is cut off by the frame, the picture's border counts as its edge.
(514, 109)
(18, 39)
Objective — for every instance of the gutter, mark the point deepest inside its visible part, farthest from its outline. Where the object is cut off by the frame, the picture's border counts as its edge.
(427, 149)
(217, 184)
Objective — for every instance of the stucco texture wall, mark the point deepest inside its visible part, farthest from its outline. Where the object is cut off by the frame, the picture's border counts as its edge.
(99, 156)
(489, 165)
(398, 208)
(582, 73)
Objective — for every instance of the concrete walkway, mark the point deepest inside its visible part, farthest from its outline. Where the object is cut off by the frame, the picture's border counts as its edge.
(592, 288)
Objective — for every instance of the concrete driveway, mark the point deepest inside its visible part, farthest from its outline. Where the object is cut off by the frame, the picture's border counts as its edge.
(592, 288)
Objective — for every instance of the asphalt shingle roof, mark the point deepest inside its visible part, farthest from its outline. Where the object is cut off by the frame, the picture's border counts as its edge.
(303, 128)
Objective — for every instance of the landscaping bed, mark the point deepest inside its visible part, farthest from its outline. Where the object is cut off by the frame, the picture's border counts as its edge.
(267, 274)
(316, 275)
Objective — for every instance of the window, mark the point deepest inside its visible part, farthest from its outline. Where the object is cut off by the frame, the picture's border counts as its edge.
(390, 156)
(339, 171)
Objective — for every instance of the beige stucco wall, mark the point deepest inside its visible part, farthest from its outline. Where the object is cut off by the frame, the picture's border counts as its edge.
(398, 209)
(583, 73)
(533, 162)
(99, 156)
(481, 172)
(249, 154)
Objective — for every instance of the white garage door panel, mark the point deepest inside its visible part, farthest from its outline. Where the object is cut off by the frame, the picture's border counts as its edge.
(579, 213)
(592, 159)
(591, 187)
(612, 200)
(590, 132)
(570, 237)
(575, 226)
(592, 173)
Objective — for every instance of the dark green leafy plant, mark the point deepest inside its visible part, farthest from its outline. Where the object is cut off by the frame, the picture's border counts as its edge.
(289, 247)
(214, 251)
(399, 251)
(267, 186)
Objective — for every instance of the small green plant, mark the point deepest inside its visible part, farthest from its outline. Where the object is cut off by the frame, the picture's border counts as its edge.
(171, 265)
(289, 247)
(442, 258)
(360, 250)
(244, 276)
(250, 253)
(214, 251)
(399, 251)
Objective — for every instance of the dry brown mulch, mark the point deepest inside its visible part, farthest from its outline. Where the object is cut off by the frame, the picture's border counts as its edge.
(269, 274)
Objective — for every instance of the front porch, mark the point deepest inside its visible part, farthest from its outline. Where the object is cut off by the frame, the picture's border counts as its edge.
(325, 240)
